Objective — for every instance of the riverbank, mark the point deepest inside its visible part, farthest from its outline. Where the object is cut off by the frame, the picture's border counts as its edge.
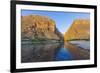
(81, 43)
(38, 41)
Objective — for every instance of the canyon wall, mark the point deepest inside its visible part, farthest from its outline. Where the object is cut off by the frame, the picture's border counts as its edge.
(80, 29)
(36, 26)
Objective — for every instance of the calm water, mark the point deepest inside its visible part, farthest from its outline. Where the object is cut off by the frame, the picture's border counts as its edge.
(51, 52)
(63, 54)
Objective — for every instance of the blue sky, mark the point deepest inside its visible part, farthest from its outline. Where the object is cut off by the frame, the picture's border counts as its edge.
(63, 19)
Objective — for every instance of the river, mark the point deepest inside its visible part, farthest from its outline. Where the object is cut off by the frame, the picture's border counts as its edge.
(43, 52)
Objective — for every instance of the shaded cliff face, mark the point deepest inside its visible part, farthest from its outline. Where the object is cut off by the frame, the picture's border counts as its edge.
(35, 26)
(80, 29)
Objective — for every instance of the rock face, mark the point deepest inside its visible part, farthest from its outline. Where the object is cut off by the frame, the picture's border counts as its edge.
(35, 26)
(80, 29)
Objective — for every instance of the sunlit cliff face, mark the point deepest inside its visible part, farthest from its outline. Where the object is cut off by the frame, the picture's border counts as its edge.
(39, 26)
(80, 29)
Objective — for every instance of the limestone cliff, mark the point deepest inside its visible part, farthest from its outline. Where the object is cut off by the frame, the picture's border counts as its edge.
(35, 26)
(80, 29)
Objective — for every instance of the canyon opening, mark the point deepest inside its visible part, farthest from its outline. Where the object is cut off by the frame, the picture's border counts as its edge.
(54, 36)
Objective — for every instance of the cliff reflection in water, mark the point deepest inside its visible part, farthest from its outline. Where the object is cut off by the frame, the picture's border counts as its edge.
(52, 52)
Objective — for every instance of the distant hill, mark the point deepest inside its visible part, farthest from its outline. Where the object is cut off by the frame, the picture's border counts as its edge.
(35, 26)
(80, 29)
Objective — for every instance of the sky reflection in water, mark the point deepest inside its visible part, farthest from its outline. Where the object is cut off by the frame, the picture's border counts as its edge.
(63, 54)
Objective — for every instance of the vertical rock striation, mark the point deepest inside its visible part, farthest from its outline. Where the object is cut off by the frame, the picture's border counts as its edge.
(35, 26)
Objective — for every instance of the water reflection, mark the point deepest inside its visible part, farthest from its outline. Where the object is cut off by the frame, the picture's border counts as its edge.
(63, 54)
(51, 52)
